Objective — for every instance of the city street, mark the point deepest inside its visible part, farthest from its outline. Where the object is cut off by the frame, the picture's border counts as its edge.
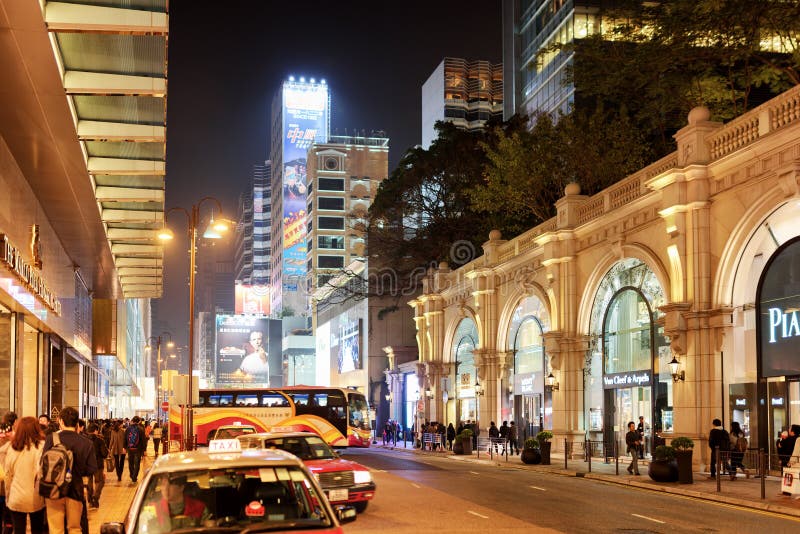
(442, 494)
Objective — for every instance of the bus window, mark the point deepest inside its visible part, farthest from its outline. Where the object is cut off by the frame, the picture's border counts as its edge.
(359, 411)
(273, 400)
(300, 399)
(320, 399)
(247, 399)
(220, 400)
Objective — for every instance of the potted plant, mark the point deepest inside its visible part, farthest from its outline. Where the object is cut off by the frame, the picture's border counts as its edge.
(683, 455)
(530, 452)
(466, 440)
(544, 438)
(458, 447)
(663, 467)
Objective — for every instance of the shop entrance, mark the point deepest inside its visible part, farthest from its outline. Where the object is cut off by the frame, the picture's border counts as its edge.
(624, 405)
(784, 407)
(531, 410)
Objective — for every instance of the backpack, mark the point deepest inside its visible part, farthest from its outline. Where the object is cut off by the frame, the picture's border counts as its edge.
(724, 441)
(741, 444)
(132, 437)
(56, 470)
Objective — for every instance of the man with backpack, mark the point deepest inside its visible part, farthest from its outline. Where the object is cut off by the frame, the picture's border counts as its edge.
(67, 457)
(134, 443)
(719, 438)
(95, 485)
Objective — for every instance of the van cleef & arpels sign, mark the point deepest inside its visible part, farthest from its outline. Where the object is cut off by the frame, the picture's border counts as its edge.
(27, 273)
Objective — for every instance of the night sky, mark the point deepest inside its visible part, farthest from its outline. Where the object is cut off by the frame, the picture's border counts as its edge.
(227, 59)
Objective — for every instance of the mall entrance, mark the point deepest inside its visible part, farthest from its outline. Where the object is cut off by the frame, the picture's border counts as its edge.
(623, 405)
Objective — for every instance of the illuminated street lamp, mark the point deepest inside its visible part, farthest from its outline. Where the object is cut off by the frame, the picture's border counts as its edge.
(214, 230)
(170, 344)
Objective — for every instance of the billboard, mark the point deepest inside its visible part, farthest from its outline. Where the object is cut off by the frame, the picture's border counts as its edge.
(248, 351)
(347, 342)
(305, 120)
(251, 300)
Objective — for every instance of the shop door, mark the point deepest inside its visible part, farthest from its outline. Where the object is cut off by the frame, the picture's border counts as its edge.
(629, 404)
(532, 412)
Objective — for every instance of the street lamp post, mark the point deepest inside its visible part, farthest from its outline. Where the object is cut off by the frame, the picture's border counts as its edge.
(170, 344)
(212, 232)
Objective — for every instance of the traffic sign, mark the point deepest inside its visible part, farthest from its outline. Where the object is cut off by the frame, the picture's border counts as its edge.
(165, 406)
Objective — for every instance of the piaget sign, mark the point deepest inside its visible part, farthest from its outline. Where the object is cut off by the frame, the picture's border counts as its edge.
(28, 274)
(628, 380)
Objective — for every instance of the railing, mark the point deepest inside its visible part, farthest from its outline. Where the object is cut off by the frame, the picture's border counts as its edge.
(433, 442)
(493, 446)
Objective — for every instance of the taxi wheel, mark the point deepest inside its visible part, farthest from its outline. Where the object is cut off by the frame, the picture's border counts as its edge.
(360, 506)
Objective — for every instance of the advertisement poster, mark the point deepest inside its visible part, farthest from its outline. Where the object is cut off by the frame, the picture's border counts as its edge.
(346, 342)
(248, 351)
(305, 120)
(251, 300)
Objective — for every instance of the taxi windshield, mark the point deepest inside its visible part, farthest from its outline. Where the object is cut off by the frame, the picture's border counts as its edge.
(233, 499)
(304, 447)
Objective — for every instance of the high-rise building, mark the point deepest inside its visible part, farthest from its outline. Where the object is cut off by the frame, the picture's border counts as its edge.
(300, 117)
(251, 263)
(343, 177)
(464, 92)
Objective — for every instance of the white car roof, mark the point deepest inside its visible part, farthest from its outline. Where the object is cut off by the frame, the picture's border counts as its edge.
(202, 459)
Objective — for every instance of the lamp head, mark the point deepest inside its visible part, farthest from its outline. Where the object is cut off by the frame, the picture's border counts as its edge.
(165, 234)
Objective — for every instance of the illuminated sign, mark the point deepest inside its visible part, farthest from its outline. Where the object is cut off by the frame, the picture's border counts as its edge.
(741, 402)
(627, 380)
(248, 351)
(251, 300)
(786, 320)
(778, 312)
(776, 401)
(28, 273)
(305, 121)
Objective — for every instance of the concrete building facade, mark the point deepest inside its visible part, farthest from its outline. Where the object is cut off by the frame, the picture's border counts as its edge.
(572, 326)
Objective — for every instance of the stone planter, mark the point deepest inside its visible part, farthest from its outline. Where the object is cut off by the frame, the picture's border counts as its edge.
(544, 449)
(458, 447)
(466, 444)
(530, 456)
(663, 470)
(684, 460)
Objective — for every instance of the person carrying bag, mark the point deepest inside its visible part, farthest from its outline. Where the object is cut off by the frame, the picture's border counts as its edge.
(22, 477)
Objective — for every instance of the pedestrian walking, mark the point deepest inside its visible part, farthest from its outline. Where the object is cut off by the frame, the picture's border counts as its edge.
(719, 438)
(451, 436)
(134, 441)
(65, 504)
(96, 482)
(156, 435)
(512, 439)
(21, 466)
(6, 435)
(738, 448)
(504, 435)
(117, 446)
(633, 443)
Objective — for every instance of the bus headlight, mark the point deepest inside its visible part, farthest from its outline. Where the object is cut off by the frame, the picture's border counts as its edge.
(362, 477)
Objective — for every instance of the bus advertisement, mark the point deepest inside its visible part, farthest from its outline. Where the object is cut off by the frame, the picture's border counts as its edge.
(340, 416)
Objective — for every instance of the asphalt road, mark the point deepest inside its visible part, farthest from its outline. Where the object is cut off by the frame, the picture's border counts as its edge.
(443, 495)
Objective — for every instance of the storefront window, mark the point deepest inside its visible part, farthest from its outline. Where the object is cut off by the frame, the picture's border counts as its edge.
(627, 333)
(466, 339)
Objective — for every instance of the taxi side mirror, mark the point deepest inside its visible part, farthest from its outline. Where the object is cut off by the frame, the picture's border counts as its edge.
(346, 514)
(112, 528)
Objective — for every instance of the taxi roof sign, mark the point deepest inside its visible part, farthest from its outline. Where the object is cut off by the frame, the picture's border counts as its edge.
(224, 445)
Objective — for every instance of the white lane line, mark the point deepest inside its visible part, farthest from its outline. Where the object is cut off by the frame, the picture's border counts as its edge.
(538, 488)
(648, 518)
(479, 515)
(415, 485)
(474, 472)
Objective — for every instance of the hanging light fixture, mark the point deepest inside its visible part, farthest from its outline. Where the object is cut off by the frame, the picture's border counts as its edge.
(552, 385)
(673, 368)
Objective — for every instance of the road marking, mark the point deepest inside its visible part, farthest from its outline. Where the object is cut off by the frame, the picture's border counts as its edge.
(415, 485)
(474, 472)
(476, 513)
(648, 518)
(538, 488)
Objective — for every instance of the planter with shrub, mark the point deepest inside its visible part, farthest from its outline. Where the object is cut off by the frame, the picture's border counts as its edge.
(530, 452)
(683, 455)
(544, 438)
(663, 468)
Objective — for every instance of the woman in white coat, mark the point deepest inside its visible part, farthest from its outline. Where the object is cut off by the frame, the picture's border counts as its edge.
(22, 472)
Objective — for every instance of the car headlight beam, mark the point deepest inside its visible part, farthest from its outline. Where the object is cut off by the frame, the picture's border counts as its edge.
(362, 477)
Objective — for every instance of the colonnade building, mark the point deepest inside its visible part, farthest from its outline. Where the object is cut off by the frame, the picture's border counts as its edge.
(572, 326)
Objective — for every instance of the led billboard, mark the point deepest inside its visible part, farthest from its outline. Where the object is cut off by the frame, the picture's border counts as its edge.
(251, 300)
(347, 342)
(248, 351)
(305, 120)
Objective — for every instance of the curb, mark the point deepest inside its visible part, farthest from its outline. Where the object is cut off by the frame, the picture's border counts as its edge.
(682, 491)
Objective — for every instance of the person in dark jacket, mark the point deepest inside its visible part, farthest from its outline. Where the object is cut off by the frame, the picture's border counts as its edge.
(451, 436)
(719, 437)
(69, 509)
(95, 485)
(632, 442)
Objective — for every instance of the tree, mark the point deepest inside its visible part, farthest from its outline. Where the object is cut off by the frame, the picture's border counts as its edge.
(526, 171)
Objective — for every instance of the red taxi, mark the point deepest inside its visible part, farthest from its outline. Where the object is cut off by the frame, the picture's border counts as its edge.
(344, 481)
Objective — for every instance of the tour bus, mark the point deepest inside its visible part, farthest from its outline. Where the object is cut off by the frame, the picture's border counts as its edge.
(339, 415)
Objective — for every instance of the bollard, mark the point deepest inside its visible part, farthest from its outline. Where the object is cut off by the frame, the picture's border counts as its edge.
(587, 445)
(565, 453)
(762, 466)
(616, 456)
(719, 470)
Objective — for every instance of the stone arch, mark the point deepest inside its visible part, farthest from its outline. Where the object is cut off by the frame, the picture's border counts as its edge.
(450, 332)
(507, 314)
(589, 290)
(736, 246)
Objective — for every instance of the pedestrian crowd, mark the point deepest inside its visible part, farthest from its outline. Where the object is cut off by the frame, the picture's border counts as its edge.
(52, 471)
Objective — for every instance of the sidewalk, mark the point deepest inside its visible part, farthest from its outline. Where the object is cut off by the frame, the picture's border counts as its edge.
(744, 492)
(117, 496)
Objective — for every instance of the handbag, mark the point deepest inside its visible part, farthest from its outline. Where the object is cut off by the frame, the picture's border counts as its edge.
(109, 464)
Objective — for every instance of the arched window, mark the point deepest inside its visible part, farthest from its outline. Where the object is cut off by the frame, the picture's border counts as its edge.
(627, 333)
(464, 343)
